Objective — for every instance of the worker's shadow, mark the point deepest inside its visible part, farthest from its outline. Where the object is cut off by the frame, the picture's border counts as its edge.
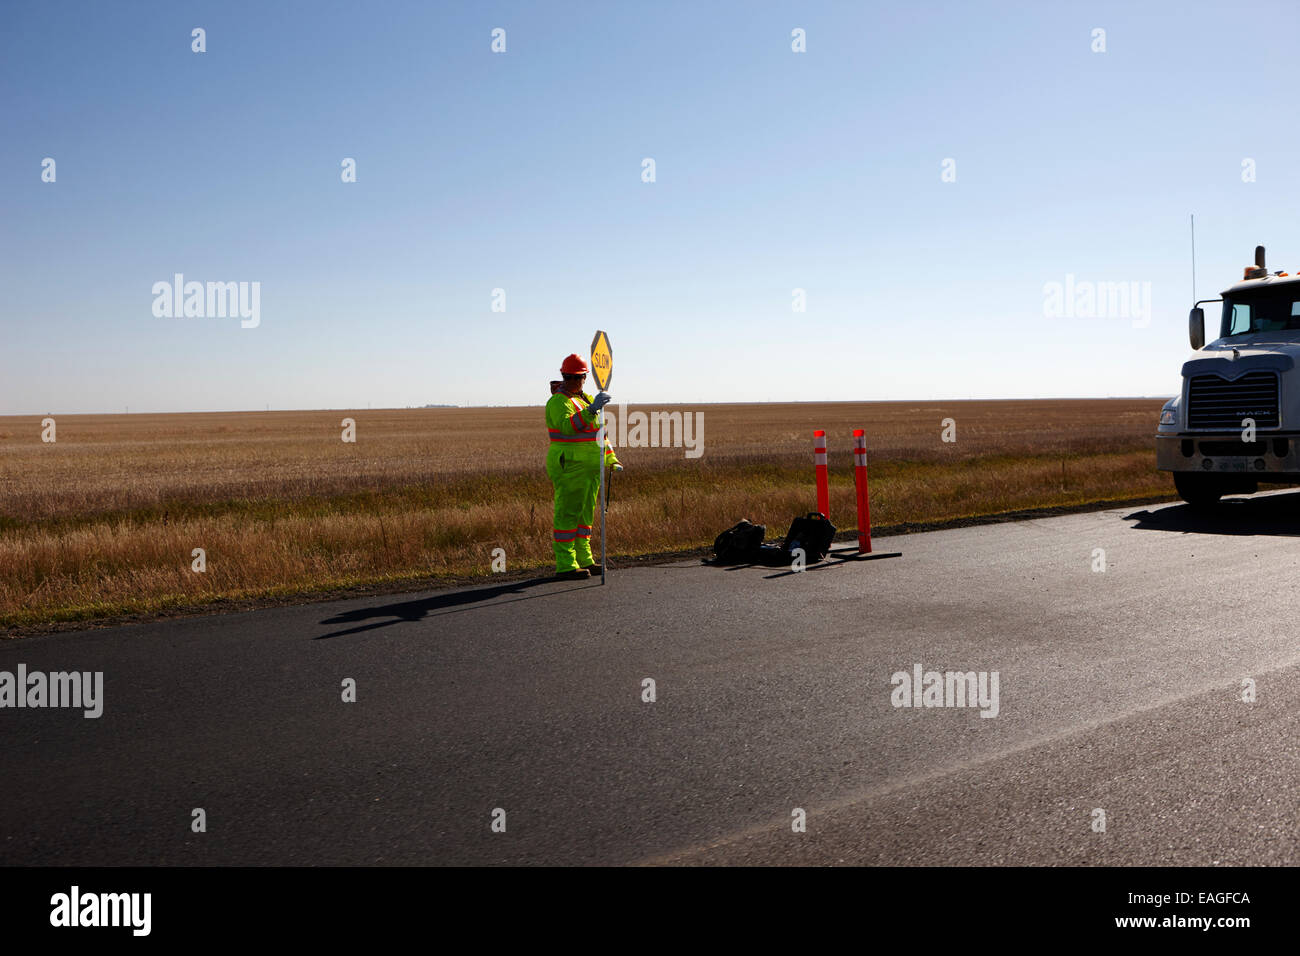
(408, 612)
(1276, 514)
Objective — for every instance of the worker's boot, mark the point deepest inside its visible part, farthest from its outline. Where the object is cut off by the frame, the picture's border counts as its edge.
(576, 574)
(593, 569)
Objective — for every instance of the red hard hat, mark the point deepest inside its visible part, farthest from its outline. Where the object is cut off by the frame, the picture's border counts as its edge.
(573, 365)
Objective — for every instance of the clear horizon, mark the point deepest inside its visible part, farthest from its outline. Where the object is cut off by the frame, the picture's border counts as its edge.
(614, 404)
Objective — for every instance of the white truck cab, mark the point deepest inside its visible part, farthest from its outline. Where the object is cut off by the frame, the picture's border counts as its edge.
(1236, 421)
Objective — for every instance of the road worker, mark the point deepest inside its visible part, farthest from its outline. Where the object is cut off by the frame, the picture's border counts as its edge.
(573, 465)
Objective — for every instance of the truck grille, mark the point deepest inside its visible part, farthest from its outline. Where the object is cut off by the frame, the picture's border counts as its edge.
(1214, 402)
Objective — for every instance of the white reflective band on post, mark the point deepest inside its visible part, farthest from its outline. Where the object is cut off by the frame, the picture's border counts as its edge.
(823, 472)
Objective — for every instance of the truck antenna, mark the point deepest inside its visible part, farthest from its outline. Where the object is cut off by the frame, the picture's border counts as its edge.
(1193, 258)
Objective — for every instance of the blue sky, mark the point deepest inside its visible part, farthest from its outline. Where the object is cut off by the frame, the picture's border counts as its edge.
(775, 170)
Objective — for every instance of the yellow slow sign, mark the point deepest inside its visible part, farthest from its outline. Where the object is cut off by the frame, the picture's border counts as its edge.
(602, 360)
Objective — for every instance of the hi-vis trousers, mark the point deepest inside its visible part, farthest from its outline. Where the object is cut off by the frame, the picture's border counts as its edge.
(577, 487)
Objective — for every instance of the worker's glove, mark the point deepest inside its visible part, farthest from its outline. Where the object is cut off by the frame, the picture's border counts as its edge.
(600, 401)
(616, 466)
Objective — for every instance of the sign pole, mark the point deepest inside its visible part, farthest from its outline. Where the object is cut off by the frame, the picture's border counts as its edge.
(600, 443)
(602, 370)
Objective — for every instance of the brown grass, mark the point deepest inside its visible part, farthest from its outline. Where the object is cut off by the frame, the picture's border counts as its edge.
(104, 521)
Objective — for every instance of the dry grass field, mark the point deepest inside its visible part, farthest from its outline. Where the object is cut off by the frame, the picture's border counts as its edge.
(103, 522)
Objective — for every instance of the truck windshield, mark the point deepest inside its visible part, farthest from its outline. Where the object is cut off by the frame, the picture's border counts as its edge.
(1262, 310)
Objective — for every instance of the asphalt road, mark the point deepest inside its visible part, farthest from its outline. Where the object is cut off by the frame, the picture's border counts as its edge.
(1119, 690)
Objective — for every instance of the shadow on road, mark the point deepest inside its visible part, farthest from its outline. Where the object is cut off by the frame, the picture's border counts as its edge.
(835, 559)
(417, 610)
(1277, 514)
(820, 566)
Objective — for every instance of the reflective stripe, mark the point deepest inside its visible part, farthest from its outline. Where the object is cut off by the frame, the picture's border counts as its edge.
(819, 458)
(584, 531)
(585, 431)
(581, 424)
(564, 535)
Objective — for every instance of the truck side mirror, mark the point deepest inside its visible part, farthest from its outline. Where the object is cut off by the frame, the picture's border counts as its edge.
(1196, 328)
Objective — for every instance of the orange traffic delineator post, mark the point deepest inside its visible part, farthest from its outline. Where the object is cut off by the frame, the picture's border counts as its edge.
(823, 479)
(864, 551)
(860, 479)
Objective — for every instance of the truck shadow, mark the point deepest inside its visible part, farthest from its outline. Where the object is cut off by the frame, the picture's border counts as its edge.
(1271, 514)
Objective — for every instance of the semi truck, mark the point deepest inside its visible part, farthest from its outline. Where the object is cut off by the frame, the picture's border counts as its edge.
(1235, 423)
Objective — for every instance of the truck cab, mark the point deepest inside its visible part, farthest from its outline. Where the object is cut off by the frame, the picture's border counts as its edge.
(1236, 421)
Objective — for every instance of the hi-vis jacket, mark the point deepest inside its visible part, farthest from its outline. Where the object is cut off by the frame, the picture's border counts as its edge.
(571, 424)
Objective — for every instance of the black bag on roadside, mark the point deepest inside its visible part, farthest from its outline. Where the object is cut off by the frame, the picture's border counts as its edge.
(773, 556)
(739, 544)
(814, 533)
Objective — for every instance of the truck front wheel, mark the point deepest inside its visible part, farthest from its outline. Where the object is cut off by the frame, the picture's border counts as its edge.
(1204, 491)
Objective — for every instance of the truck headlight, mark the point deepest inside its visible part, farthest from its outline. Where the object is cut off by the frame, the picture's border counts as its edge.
(1168, 416)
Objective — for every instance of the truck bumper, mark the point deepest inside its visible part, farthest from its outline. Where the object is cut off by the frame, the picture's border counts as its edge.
(1271, 457)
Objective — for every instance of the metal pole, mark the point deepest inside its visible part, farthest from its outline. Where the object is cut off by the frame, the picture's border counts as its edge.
(600, 446)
